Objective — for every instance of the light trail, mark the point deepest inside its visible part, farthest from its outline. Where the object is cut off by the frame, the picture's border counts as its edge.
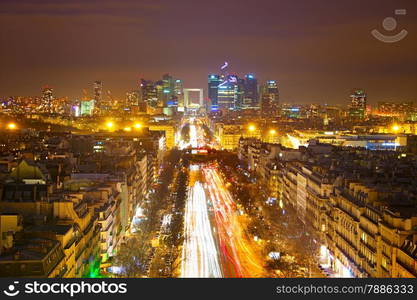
(193, 136)
(235, 254)
(234, 244)
(199, 253)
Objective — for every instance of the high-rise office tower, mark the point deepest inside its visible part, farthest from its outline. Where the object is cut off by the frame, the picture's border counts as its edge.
(179, 93)
(167, 92)
(240, 93)
(132, 98)
(148, 92)
(250, 98)
(272, 90)
(47, 98)
(213, 87)
(178, 87)
(357, 107)
(228, 93)
(270, 98)
(168, 86)
(161, 93)
(168, 82)
(98, 90)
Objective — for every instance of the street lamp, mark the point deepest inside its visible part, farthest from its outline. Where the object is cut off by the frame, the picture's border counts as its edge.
(138, 125)
(11, 126)
(272, 132)
(395, 128)
(252, 128)
(109, 125)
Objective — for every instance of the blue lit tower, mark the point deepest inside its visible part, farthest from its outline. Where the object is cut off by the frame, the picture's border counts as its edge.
(213, 84)
(250, 98)
(228, 93)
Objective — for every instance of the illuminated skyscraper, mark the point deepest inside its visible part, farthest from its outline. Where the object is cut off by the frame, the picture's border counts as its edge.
(358, 98)
(213, 84)
(178, 91)
(357, 107)
(228, 93)
(168, 87)
(87, 108)
(270, 98)
(98, 90)
(272, 90)
(47, 99)
(240, 93)
(167, 92)
(148, 92)
(132, 98)
(168, 82)
(250, 98)
(161, 93)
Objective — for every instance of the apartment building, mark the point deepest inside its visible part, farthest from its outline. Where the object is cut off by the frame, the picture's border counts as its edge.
(360, 205)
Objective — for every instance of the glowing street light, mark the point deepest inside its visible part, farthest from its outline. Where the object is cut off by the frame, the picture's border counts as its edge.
(110, 125)
(138, 125)
(395, 128)
(252, 128)
(272, 132)
(11, 126)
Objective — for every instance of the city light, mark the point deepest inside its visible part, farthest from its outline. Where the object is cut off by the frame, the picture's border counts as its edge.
(109, 125)
(199, 254)
(279, 164)
(11, 126)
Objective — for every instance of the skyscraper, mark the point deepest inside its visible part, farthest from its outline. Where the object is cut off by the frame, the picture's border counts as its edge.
(148, 92)
(270, 97)
(357, 107)
(178, 91)
(168, 89)
(213, 85)
(272, 90)
(167, 92)
(98, 90)
(250, 98)
(228, 93)
(132, 98)
(240, 93)
(47, 98)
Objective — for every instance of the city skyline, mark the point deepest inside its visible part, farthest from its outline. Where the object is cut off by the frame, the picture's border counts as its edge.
(208, 139)
(290, 43)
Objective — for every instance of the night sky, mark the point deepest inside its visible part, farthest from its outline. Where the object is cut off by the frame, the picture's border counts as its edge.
(318, 50)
